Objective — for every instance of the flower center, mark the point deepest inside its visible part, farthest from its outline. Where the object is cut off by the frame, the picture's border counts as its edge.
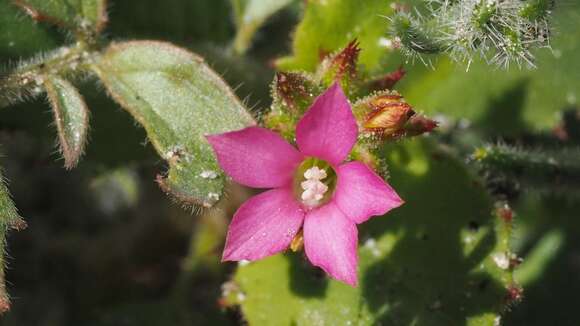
(314, 189)
(314, 182)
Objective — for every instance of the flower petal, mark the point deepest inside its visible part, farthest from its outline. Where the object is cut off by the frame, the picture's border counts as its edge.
(360, 193)
(263, 226)
(330, 242)
(256, 157)
(328, 130)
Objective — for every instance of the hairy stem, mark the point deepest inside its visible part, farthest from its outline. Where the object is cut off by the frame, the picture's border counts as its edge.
(553, 171)
(27, 78)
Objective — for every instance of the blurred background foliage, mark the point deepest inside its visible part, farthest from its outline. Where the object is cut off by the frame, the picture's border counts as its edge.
(104, 246)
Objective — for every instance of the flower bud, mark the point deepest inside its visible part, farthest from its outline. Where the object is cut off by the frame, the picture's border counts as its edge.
(389, 80)
(342, 65)
(293, 89)
(387, 116)
(419, 124)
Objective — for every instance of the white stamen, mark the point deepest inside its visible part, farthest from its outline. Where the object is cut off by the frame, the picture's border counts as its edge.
(314, 190)
(315, 173)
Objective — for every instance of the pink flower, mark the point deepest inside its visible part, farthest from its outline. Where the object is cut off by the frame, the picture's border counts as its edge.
(312, 188)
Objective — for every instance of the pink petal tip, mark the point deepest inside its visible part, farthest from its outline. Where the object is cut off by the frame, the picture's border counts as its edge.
(361, 194)
(329, 129)
(330, 242)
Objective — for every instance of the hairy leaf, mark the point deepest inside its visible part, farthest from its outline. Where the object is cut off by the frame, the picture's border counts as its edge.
(329, 25)
(429, 262)
(72, 14)
(9, 219)
(179, 100)
(20, 38)
(71, 117)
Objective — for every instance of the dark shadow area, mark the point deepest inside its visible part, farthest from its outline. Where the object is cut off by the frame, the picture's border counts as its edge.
(434, 275)
(552, 299)
(306, 280)
(504, 114)
(172, 20)
(77, 257)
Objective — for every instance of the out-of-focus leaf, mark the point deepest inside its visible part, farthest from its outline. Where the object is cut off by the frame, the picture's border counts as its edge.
(19, 37)
(536, 262)
(506, 101)
(190, 21)
(9, 219)
(249, 16)
(548, 231)
(72, 14)
(329, 25)
(209, 234)
(71, 117)
(179, 100)
(116, 190)
(429, 262)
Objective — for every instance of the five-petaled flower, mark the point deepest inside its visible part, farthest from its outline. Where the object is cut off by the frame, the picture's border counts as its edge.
(312, 188)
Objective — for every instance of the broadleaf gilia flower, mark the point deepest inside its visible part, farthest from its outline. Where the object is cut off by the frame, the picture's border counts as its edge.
(311, 188)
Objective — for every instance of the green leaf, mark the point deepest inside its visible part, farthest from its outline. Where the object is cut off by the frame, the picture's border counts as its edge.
(71, 14)
(506, 101)
(547, 233)
(429, 262)
(71, 117)
(116, 189)
(183, 22)
(540, 257)
(249, 17)
(179, 100)
(329, 25)
(9, 219)
(19, 37)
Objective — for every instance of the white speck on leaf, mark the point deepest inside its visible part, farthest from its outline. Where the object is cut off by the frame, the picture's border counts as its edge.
(571, 98)
(208, 174)
(371, 244)
(464, 123)
(213, 196)
(436, 305)
(501, 260)
(386, 43)
(39, 80)
(37, 90)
